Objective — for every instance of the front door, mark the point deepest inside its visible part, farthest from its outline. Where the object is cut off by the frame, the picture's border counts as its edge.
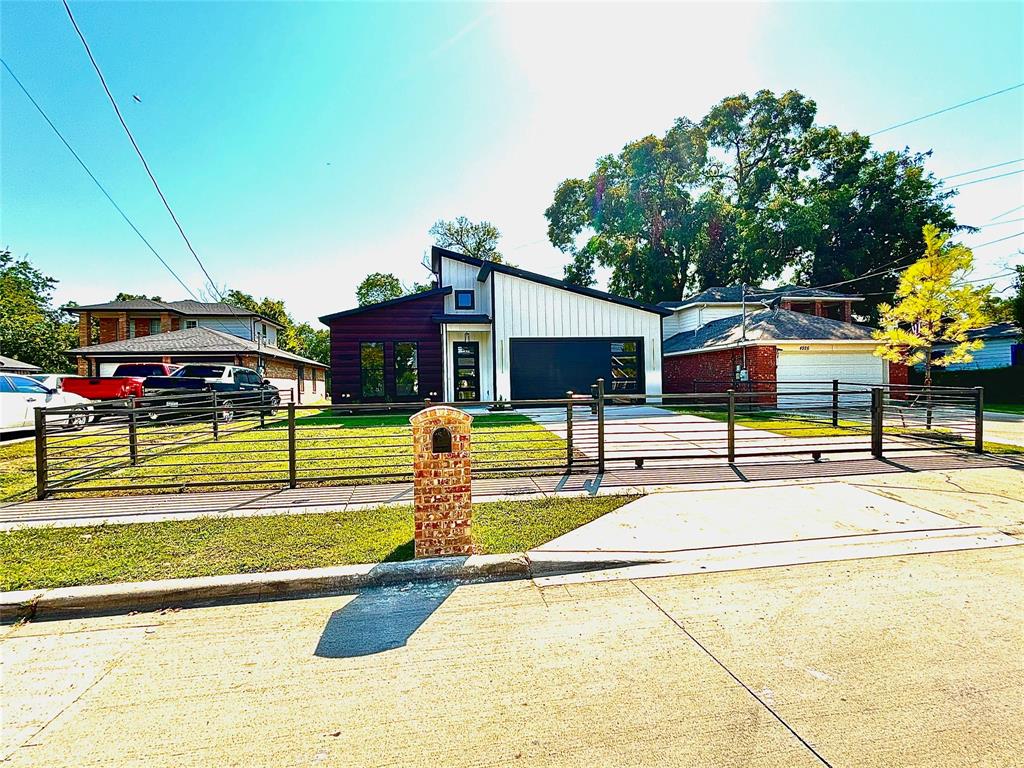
(466, 364)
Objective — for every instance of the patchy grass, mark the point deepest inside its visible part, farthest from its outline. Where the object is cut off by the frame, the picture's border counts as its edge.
(17, 470)
(1005, 408)
(331, 450)
(35, 558)
(790, 425)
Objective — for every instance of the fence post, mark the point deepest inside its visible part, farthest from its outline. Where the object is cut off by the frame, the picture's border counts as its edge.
(876, 422)
(600, 426)
(731, 426)
(979, 419)
(41, 477)
(133, 432)
(835, 402)
(292, 459)
(216, 428)
(568, 431)
(928, 408)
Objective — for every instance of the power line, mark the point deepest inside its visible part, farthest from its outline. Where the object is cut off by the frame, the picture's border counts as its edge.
(997, 223)
(96, 181)
(138, 151)
(993, 242)
(983, 168)
(947, 109)
(987, 178)
(1006, 213)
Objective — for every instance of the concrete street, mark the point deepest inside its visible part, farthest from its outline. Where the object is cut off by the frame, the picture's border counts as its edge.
(907, 659)
(1004, 428)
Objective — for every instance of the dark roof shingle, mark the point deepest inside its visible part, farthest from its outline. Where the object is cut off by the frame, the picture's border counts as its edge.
(733, 294)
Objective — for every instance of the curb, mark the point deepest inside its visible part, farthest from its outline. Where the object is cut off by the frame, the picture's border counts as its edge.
(67, 602)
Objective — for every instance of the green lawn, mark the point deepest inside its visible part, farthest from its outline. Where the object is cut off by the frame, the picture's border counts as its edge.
(331, 450)
(17, 470)
(58, 557)
(1005, 408)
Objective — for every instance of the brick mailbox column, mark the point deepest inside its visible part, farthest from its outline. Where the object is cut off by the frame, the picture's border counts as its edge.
(442, 487)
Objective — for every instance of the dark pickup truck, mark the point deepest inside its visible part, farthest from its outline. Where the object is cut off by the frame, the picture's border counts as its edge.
(238, 390)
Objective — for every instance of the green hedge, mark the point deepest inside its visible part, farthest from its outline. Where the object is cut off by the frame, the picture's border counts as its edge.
(1002, 385)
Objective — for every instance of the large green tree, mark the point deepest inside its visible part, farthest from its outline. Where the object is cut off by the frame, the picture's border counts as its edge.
(753, 190)
(31, 329)
(300, 338)
(478, 239)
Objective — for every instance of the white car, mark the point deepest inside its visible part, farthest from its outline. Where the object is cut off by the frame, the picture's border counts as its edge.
(21, 395)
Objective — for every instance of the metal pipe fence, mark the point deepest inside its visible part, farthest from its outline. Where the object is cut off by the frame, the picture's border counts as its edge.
(178, 442)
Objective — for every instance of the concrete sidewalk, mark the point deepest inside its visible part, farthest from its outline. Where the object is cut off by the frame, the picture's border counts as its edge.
(1004, 427)
(78, 511)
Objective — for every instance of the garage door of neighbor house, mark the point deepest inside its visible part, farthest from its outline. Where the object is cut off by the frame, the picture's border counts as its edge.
(795, 368)
(548, 368)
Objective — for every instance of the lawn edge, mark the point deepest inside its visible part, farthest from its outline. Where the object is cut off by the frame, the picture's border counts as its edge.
(103, 599)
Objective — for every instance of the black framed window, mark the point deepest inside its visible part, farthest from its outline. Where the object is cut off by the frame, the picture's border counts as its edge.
(465, 300)
(625, 366)
(407, 369)
(371, 368)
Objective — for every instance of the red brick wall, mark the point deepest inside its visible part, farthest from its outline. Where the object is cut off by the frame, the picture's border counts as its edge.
(108, 329)
(682, 373)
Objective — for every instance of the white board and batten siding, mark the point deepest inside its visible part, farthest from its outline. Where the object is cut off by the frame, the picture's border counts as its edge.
(528, 309)
(819, 364)
(461, 276)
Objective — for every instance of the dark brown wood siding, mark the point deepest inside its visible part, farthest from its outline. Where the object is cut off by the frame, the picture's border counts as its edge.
(407, 321)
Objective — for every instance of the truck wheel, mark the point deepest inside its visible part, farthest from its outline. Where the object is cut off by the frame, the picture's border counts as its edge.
(77, 419)
(227, 414)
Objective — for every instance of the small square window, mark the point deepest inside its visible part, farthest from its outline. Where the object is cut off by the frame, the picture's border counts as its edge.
(464, 300)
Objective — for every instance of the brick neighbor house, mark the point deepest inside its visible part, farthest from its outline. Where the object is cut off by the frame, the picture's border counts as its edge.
(144, 330)
(789, 338)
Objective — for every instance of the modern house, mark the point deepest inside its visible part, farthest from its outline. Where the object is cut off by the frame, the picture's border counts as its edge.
(789, 335)
(144, 330)
(490, 331)
(1003, 348)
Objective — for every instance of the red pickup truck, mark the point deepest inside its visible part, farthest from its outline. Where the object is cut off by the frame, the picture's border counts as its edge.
(126, 381)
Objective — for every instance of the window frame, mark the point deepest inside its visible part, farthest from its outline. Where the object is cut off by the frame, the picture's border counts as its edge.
(363, 395)
(462, 293)
(415, 393)
(186, 326)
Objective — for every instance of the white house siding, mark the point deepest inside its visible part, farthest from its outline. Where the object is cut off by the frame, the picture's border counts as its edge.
(995, 354)
(698, 315)
(527, 309)
(462, 277)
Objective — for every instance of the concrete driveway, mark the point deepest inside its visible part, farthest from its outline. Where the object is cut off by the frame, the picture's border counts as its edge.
(1004, 428)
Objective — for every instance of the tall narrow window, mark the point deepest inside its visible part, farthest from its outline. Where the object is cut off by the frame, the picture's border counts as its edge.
(625, 366)
(154, 326)
(371, 365)
(407, 372)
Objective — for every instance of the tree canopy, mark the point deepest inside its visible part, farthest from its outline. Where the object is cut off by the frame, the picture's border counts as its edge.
(752, 190)
(934, 303)
(377, 287)
(31, 330)
(478, 239)
(300, 338)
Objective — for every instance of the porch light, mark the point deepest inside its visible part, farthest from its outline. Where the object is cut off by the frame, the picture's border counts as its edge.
(465, 336)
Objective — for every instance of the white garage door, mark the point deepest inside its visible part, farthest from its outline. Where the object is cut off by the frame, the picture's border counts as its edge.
(814, 371)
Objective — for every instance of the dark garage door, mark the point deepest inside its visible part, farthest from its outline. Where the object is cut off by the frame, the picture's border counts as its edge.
(547, 368)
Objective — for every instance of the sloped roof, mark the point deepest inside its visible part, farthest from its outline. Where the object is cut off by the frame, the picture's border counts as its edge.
(486, 267)
(763, 326)
(996, 331)
(189, 340)
(733, 294)
(325, 319)
(10, 364)
(187, 308)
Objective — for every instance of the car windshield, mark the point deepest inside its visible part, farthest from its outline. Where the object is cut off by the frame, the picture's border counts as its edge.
(200, 371)
(39, 376)
(139, 369)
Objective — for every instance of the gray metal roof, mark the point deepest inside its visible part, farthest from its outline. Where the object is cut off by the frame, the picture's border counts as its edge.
(733, 294)
(765, 325)
(190, 340)
(10, 365)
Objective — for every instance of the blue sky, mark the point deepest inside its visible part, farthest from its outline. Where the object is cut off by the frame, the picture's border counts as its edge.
(306, 144)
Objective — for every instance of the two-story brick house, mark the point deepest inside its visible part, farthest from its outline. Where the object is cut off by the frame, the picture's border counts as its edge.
(759, 339)
(143, 330)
